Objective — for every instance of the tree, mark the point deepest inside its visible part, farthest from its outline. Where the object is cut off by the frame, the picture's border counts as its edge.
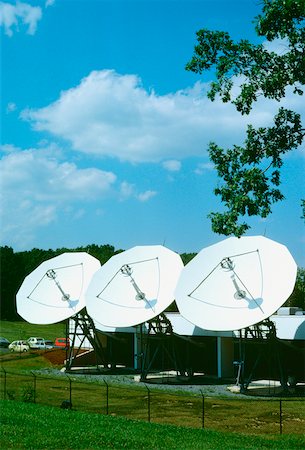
(297, 298)
(251, 173)
(187, 257)
(11, 277)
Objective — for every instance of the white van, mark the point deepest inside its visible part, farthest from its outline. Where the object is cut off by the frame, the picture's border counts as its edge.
(35, 342)
(19, 346)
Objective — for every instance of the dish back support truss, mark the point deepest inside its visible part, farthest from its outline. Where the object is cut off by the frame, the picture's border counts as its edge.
(84, 328)
(160, 346)
(265, 347)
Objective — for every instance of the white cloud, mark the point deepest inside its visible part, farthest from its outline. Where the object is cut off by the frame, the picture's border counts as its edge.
(9, 148)
(128, 190)
(203, 167)
(147, 195)
(172, 165)
(11, 107)
(11, 16)
(112, 115)
(37, 189)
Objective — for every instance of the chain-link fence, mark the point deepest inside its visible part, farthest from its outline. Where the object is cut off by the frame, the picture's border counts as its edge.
(241, 415)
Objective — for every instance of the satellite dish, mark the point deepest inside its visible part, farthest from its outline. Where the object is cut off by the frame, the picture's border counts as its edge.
(55, 290)
(235, 283)
(133, 286)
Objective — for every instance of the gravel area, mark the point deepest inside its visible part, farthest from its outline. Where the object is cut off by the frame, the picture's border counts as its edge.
(200, 385)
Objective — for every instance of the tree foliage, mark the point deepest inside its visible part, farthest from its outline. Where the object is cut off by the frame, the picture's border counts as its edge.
(11, 273)
(187, 257)
(297, 298)
(251, 173)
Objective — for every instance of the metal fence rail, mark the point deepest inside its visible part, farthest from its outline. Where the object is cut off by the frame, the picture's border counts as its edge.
(242, 415)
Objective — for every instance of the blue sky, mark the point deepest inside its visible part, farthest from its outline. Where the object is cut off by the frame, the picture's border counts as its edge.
(104, 133)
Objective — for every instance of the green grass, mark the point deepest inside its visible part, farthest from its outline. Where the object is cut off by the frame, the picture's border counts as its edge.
(239, 415)
(24, 362)
(29, 426)
(255, 423)
(23, 330)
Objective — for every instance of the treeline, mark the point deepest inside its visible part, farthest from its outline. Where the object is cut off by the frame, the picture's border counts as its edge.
(297, 298)
(15, 266)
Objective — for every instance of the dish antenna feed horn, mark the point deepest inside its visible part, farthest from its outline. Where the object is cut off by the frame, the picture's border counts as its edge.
(51, 274)
(228, 265)
(126, 270)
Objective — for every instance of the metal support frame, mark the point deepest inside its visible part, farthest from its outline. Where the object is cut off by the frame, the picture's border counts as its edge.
(160, 330)
(84, 328)
(264, 336)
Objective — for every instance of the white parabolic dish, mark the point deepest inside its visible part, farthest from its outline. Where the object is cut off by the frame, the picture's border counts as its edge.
(235, 283)
(55, 290)
(133, 286)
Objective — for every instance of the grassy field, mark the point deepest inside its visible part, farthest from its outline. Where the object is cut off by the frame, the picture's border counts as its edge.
(29, 426)
(20, 382)
(23, 330)
(95, 419)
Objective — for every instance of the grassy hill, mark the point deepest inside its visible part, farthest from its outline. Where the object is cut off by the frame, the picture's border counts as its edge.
(23, 330)
(33, 426)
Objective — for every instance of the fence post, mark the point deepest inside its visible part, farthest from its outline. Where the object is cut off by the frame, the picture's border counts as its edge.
(70, 392)
(281, 417)
(148, 403)
(107, 397)
(4, 391)
(202, 408)
(34, 386)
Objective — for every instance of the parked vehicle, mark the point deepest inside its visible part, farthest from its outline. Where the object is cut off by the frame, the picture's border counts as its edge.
(35, 342)
(49, 344)
(19, 346)
(43, 345)
(4, 342)
(62, 342)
